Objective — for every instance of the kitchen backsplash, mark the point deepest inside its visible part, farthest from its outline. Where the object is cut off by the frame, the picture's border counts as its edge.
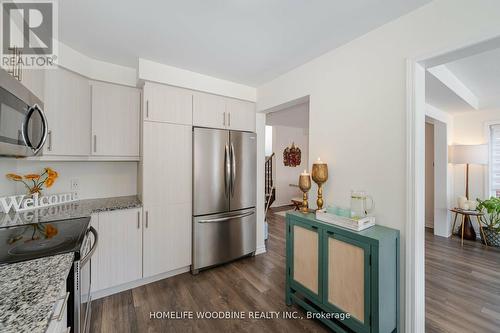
(7, 186)
(95, 179)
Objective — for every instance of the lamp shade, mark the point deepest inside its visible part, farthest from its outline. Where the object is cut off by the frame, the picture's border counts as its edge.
(468, 154)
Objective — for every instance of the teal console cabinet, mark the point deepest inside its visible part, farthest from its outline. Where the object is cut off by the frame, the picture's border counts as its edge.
(332, 271)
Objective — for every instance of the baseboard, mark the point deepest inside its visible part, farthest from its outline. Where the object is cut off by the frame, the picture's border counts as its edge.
(137, 283)
(279, 205)
(260, 250)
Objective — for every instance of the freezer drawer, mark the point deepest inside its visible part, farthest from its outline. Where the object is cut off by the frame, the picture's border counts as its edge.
(223, 237)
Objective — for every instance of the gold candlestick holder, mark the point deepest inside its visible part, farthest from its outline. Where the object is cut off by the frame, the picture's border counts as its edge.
(320, 176)
(305, 186)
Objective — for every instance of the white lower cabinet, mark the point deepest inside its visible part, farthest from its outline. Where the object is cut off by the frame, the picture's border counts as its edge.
(139, 243)
(118, 258)
(167, 238)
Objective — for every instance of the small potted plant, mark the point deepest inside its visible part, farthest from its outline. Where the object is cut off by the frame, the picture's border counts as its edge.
(490, 220)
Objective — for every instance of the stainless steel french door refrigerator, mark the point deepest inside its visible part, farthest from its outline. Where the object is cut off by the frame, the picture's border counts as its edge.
(224, 196)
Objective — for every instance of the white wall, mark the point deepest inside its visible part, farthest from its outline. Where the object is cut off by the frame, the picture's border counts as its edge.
(443, 180)
(294, 116)
(471, 128)
(429, 175)
(260, 129)
(443, 171)
(156, 72)
(7, 165)
(283, 136)
(358, 95)
(96, 179)
(95, 69)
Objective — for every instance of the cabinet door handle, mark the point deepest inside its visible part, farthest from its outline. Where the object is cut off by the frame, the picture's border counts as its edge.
(330, 232)
(95, 143)
(59, 316)
(147, 109)
(138, 220)
(224, 119)
(49, 146)
(147, 219)
(314, 227)
(229, 119)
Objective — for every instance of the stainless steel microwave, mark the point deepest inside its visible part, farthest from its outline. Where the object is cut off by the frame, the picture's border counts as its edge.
(23, 125)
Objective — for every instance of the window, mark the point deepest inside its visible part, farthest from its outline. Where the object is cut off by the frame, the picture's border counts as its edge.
(269, 140)
(495, 160)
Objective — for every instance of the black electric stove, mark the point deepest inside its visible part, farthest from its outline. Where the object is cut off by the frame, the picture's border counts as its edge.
(32, 241)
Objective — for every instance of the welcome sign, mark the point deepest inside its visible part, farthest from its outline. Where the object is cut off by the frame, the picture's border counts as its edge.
(20, 203)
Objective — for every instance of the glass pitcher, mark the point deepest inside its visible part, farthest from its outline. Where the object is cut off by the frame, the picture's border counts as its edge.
(359, 207)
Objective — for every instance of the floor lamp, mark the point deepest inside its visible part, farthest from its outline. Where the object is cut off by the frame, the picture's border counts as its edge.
(468, 154)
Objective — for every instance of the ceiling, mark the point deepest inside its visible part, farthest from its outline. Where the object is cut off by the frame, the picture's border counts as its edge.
(479, 73)
(245, 41)
(440, 96)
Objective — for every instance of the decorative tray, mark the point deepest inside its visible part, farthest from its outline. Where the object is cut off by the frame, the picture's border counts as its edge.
(345, 222)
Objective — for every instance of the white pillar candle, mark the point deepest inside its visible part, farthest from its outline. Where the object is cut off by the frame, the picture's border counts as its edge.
(461, 202)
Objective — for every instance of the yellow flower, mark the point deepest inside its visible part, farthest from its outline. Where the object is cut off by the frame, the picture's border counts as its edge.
(49, 182)
(13, 176)
(50, 231)
(32, 176)
(51, 173)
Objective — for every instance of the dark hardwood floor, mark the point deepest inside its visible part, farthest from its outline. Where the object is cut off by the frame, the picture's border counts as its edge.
(462, 293)
(462, 286)
(250, 284)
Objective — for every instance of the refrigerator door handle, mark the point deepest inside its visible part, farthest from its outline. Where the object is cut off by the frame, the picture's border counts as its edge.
(233, 168)
(227, 170)
(223, 219)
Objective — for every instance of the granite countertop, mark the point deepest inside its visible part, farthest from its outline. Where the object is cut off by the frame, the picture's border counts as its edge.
(75, 209)
(29, 291)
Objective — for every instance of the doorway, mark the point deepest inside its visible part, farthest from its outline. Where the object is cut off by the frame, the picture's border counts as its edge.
(287, 154)
(447, 287)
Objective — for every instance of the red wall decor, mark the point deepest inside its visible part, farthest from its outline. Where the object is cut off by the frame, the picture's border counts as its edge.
(291, 156)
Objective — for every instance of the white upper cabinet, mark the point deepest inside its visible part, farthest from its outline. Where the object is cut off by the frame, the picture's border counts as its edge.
(115, 120)
(209, 111)
(221, 112)
(167, 104)
(34, 80)
(241, 115)
(67, 107)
